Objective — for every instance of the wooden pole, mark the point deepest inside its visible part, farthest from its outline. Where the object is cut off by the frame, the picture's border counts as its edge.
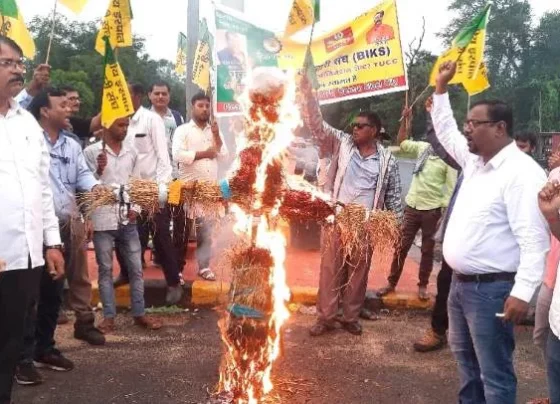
(52, 32)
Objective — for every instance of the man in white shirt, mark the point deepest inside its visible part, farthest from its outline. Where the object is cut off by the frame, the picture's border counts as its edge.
(496, 242)
(29, 234)
(197, 146)
(146, 134)
(115, 162)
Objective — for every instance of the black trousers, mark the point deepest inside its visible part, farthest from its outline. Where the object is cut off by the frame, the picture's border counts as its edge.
(440, 320)
(17, 290)
(159, 226)
(41, 319)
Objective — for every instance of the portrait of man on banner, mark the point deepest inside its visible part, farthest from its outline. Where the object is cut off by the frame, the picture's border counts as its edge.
(380, 32)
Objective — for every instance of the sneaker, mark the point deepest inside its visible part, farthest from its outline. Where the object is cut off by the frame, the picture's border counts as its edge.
(27, 375)
(423, 293)
(431, 341)
(386, 290)
(54, 361)
(107, 326)
(174, 295)
(89, 334)
(147, 323)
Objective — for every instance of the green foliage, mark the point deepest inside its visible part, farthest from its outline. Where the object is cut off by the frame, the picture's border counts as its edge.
(75, 62)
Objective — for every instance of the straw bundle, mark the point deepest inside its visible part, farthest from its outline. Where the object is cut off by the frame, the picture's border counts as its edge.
(250, 286)
(384, 230)
(351, 225)
(145, 193)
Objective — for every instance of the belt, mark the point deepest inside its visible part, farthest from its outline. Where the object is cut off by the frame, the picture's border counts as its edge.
(493, 277)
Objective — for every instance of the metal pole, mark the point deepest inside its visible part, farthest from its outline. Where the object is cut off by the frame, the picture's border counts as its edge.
(52, 32)
(193, 11)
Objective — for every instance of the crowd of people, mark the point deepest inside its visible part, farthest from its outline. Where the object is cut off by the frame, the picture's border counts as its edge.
(478, 191)
(51, 155)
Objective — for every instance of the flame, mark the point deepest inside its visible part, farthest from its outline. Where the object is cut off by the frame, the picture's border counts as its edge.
(245, 373)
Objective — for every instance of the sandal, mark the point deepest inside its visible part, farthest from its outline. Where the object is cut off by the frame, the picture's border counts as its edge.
(107, 326)
(147, 323)
(207, 274)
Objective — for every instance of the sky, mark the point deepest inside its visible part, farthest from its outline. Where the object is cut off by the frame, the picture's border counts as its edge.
(160, 21)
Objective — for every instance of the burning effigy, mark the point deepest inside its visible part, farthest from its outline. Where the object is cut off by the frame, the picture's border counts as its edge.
(259, 193)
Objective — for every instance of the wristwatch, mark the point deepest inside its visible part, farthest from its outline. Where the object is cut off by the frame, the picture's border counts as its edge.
(58, 247)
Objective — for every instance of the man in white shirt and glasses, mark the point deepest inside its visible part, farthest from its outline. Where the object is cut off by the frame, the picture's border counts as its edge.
(496, 242)
(29, 234)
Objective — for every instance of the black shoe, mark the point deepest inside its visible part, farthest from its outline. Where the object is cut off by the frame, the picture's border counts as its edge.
(89, 334)
(353, 328)
(54, 360)
(27, 375)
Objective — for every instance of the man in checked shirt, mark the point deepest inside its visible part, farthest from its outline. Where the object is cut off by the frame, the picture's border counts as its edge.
(362, 172)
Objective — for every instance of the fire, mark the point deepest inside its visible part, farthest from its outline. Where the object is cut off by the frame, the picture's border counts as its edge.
(251, 327)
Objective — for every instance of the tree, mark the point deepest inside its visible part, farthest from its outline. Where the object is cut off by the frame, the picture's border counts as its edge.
(75, 61)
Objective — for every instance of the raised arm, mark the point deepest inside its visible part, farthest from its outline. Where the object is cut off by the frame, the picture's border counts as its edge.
(312, 116)
(445, 125)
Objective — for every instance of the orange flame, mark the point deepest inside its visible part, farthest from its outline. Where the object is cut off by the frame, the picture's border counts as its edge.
(245, 373)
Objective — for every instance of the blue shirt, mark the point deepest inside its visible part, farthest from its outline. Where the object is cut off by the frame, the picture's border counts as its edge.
(68, 173)
(360, 180)
(24, 99)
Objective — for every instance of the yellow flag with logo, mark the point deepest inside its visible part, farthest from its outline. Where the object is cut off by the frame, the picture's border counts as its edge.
(468, 51)
(116, 102)
(181, 62)
(13, 26)
(76, 6)
(116, 26)
(479, 83)
(303, 14)
(203, 58)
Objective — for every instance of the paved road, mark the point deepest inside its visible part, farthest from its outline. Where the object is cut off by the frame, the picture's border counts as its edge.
(179, 364)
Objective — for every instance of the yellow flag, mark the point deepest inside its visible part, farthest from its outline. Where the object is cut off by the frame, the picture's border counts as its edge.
(116, 26)
(301, 16)
(181, 62)
(116, 102)
(13, 26)
(75, 5)
(479, 83)
(203, 58)
(468, 51)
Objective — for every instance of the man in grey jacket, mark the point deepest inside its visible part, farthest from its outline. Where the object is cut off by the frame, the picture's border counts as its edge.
(361, 172)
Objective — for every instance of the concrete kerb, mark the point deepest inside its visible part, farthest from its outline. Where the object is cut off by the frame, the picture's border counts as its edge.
(204, 293)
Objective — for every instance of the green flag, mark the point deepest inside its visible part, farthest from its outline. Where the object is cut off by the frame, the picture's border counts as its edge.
(8, 8)
(466, 34)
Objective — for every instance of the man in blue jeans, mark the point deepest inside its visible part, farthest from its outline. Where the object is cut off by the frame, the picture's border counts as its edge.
(549, 203)
(114, 162)
(496, 241)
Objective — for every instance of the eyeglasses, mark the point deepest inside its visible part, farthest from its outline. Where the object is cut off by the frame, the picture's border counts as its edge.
(359, 125)
(475, 123)
(73, 99)
(7, 63)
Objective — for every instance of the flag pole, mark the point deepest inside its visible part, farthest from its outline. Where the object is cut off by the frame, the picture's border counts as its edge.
(52, 32)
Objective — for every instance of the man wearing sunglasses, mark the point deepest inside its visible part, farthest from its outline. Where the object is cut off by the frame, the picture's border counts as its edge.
(362, 172)
(496, 241)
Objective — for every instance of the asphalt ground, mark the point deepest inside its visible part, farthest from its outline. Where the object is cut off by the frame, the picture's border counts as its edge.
(179, 364)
